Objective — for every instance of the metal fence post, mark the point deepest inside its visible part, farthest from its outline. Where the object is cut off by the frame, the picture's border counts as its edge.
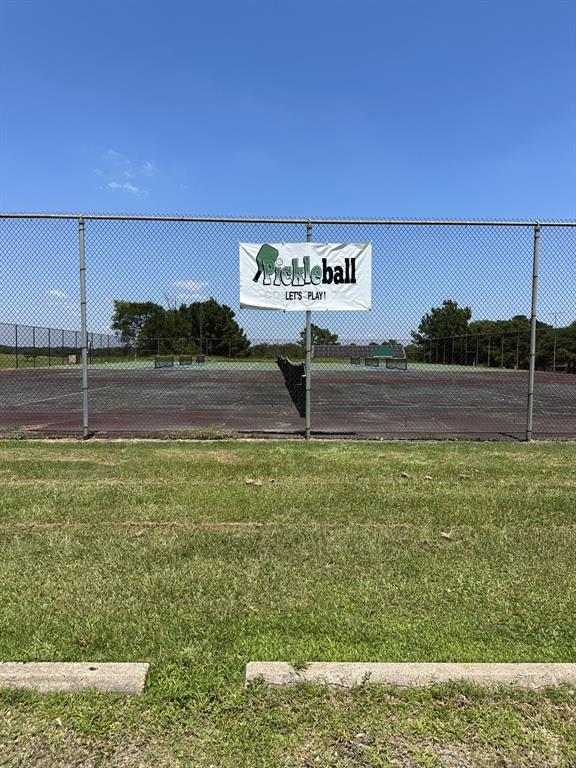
(532, 356)
(308, 353)
(83, 328)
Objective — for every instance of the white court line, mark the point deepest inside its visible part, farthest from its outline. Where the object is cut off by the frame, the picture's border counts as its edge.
(59, 397)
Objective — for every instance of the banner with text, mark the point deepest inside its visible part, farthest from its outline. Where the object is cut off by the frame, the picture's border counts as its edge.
(300, 276)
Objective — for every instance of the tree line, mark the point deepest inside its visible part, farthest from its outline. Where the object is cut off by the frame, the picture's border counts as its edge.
(447, 334)
(205, 327)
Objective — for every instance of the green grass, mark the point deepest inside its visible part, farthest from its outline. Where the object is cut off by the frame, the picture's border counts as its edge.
(8, 360)
(199, 557)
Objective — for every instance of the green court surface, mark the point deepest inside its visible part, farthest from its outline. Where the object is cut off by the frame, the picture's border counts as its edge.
(8, 361)
(321, 364)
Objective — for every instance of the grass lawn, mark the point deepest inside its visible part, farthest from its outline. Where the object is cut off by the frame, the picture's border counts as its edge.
(199, 557)
(8, 360)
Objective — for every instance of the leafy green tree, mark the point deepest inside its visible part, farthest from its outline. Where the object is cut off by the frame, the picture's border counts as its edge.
(130, 317)
(319, 336)
(500, 343)
(203, 326)
(492, 343)
(214, 326)
(441, 322)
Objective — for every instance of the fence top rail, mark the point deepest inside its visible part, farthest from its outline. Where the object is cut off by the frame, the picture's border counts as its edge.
(272, 220)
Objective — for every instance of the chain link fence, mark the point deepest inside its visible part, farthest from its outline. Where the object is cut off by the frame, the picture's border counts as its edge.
(131, 326)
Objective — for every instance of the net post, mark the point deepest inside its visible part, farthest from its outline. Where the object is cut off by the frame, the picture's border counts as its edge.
(308, 353)
(532, 355)
(83, 328)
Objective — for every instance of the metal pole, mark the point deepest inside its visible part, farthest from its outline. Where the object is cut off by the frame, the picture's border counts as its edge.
(252, 220)
(554, 356)
(308, 353)
(532, 356)
(83, 329)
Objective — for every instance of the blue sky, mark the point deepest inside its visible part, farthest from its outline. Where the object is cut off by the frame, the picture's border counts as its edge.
(365, 109)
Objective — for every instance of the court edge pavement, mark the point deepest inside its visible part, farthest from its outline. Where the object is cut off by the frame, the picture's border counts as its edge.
(350, 674)
(72, 677)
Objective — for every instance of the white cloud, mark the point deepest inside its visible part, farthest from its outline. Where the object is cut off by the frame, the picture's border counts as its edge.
(125, 186)
(148, 168)
(58, 294)
(190, 285)
(190, 290)
(111, 154)
(120, 172)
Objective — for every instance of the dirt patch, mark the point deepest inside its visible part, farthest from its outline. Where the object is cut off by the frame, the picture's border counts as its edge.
(224, 456)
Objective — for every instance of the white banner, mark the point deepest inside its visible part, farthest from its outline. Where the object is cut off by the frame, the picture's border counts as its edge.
(300, 276)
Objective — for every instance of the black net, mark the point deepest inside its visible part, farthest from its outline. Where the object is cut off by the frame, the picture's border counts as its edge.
(295, 380)
(164, 361)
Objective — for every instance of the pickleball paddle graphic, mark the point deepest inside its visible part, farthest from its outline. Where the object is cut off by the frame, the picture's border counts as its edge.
(265, 259)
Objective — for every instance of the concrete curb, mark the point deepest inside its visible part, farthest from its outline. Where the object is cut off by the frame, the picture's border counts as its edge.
(71, 677)
(350, 674)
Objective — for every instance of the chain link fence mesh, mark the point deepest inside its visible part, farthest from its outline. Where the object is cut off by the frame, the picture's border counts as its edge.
(171, 353)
